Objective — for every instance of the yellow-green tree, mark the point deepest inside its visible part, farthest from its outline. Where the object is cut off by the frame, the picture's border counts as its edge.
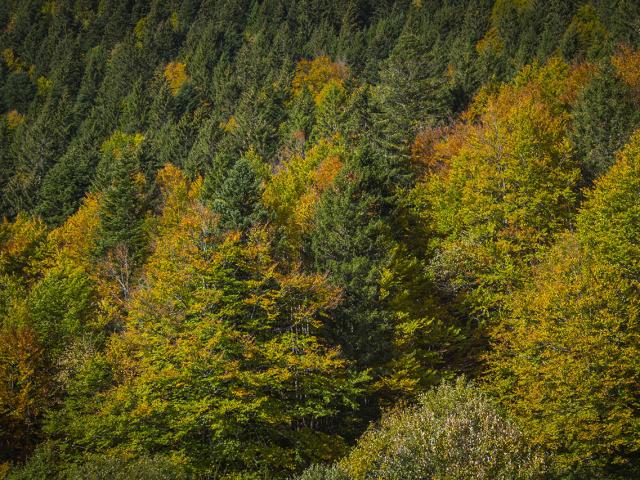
(566, 361)
(499, 188)
(222, 363)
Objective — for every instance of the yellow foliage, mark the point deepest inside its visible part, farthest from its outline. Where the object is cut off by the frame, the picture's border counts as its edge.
(44, 86)
(491, 42)
(230, 125)
(177, 194)
(14, 118)
(327, 89)
(550, 82)
(176, 75)
(293, 192)
(315, 74)
(140, 28)
(19, 241)
(174, 21)
(12, 61)
(120, 144)
(508, 176)
(50, 8)
(75, 239)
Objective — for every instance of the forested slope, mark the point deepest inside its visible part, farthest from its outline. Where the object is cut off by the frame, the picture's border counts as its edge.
(241, 237)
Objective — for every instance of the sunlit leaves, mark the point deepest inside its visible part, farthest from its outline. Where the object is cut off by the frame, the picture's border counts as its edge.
(221, 358)
(319, 75)
(293, 191)
(566, 359)
(176, 75)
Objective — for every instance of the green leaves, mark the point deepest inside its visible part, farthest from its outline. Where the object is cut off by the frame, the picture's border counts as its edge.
(505, 190)
(565, 361)
(454, 431)
(222, 359)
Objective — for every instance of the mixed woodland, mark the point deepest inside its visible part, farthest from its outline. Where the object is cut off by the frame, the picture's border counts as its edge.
(319, 239)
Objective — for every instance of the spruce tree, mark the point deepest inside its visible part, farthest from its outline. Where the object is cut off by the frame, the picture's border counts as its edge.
(238, 201)
(603, 119)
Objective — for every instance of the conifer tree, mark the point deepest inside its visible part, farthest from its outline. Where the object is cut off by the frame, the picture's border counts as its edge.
(603, 119)
(238, 202)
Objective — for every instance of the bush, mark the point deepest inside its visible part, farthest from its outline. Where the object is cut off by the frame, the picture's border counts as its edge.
(453, 433)
(323, 472)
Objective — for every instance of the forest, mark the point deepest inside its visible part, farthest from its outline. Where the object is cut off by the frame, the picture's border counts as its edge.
(319, 239)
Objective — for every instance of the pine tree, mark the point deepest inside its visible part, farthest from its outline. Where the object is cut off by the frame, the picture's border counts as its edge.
(238, 202)
(350, 240)
(412, 93)
(122, 205)
(603, 119)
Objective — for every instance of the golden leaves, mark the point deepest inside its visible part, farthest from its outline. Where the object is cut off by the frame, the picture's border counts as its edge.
(14, 119)
(294, 191)
(318, 75)
(175, 73)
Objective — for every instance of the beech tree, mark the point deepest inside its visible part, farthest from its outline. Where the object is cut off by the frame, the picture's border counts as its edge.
(566, 359)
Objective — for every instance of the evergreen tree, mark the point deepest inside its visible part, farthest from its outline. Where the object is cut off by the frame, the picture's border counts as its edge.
(122, 205)
(603, 119)
(412, 93)
(238, 201)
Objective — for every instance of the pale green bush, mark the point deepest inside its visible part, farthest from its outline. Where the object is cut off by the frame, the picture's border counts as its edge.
(453, 433)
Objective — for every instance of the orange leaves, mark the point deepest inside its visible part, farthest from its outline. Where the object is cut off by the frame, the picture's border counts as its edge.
(627, 65)
(319, 75)
(326, 172)
(175, 73)
(293, 192)
(433, 148)
(579, 77)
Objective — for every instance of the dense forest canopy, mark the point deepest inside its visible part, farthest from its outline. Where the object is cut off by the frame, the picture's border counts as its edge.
(319, 239)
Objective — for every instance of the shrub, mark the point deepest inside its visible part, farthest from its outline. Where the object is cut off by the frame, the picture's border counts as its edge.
(453, 433)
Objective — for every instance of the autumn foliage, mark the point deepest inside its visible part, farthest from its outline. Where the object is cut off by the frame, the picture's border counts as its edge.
(319, 240)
